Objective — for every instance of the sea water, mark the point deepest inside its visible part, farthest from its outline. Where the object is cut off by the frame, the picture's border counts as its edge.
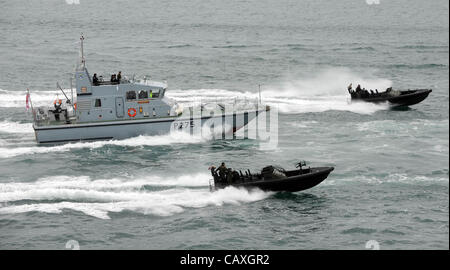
(391, 177)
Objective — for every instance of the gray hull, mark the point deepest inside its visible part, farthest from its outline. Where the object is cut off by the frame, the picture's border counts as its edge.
(126, 129)
(123, 108)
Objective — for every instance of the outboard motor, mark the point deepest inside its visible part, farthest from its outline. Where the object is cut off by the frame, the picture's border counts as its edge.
(271, 172)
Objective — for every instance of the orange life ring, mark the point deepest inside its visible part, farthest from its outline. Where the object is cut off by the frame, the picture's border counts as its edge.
(132, 112)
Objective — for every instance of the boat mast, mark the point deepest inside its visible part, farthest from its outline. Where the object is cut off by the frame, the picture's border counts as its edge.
(83, 61)
(259, 91)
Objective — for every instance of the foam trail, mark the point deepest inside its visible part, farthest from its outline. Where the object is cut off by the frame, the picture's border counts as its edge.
(331, 82)
(325, 91)
(16, 99)
(14, 127)
(99, 197)
(116, 184)
(391, 178)
(139, 141)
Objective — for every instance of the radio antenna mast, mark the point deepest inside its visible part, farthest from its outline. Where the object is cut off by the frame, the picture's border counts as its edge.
(259, 91)
(83, 61)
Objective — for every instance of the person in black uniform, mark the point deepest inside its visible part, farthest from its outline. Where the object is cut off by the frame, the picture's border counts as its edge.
(119, 76)
(222, 171)
(95, 79)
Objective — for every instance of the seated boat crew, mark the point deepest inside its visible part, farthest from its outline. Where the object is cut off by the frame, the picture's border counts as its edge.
(393, 97)
(122, 108)
(271, 178)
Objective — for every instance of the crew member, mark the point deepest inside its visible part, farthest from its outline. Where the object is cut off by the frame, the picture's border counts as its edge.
(95, 79)
(349, 88)
(57, 103)
(222, 170)
(113, 78)
(229, 176)
(119, 76)
(358, 88)
(365, 92)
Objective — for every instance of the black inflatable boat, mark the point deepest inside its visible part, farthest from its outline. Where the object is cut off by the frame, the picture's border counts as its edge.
(271, 178)
(394, 97)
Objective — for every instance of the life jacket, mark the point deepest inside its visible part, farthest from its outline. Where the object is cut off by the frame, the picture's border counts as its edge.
(57, 101)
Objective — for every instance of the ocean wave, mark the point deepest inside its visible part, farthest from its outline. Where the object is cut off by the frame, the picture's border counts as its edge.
(84, 188)
(235, 46)
(284, 101)
(15, 127)
(393, 126)
(139, 141)
(299, 47)
(325, 91)
(99, 197)
(423, 47)
(367, 48)
(178, 46)
(389, 178)
(419, 66)
(16, 99)
(303, 124)
(357, 230)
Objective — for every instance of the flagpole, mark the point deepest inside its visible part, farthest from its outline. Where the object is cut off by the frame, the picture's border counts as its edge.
(29, 98)
(259, 91)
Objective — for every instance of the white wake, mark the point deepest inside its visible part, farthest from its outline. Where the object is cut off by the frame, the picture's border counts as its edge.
(100, 197)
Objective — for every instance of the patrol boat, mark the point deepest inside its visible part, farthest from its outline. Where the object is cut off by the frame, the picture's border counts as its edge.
(124, 108)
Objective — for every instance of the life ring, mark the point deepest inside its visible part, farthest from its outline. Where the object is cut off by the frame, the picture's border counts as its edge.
(131, 112)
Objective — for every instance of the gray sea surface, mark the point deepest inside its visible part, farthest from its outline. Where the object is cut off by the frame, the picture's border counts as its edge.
(391, 177)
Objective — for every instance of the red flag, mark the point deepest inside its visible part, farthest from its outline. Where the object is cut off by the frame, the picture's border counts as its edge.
(28, 101)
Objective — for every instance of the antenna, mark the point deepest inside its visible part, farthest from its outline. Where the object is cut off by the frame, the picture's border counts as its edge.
(71, 92)
(83, 61)
(70, 101)
(259, 91)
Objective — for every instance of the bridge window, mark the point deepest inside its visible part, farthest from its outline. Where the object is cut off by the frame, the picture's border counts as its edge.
(98, 102)
(131, 95)
(155, 93)
(143, 94)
